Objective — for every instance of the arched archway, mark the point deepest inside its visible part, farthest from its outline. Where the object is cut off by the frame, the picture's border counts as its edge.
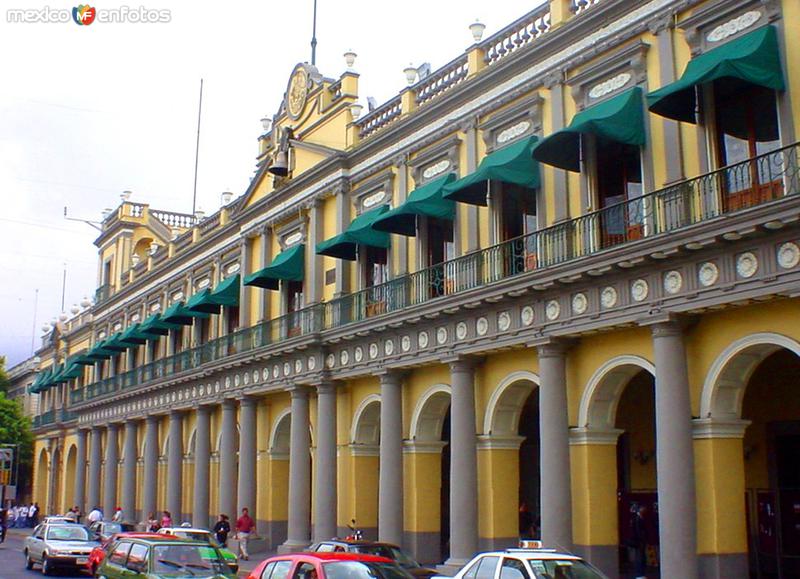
(70, 473)
(429, 462)
(54, 484)
(750, 420)
(277, 477)
(511, 446)
(616, 435)
(365, 435)
(42, 475)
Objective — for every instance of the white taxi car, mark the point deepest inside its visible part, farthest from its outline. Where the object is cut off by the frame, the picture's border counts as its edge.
(528, 564)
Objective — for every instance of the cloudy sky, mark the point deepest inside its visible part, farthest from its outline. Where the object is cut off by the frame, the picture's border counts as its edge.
(89, 111)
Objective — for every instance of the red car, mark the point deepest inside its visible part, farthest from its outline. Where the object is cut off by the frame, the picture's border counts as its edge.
(328, 566)
(99, 553)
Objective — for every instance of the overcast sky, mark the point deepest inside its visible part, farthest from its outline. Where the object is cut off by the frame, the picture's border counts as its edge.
(89, 111)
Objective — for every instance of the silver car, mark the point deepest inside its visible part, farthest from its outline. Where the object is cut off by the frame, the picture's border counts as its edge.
(57, 546)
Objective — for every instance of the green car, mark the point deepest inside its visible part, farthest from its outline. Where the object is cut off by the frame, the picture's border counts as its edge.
(156, 558)
(204, 535)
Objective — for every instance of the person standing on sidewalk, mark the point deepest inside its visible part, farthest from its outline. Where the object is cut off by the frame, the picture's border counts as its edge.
(244, 527)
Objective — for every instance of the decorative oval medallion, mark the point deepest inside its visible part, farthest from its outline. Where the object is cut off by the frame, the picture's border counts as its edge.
(287, 368)
(233, 268)
(405, 343)
(733, 26)
(503, 321)
(276, 371)
(639, 290)
(293, 238)
(246, 378)
(358, 354)
(330, 361)
(373, 350)
(461, 330)
(527, 315)
(788, 255)
(203, 283)
(227, 382)
(237, 380)
(746, 264)
(298, 366)
(255, 376)
(513, 132)
(180, 396)
(441, 335)
(388, 347)
(208, 388)
(344, 357)
(673, 282)
(552, 310)
(312, 363)
(373, 199)
(265, 374)
(610, 85)
(422, 339)
(436, 169)
(708, 274)
(608, 297)
(482, 326)
(579, 303)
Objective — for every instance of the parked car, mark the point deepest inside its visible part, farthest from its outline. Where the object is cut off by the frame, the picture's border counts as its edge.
(58, 520)
(57, 546)
(99, 553)
(105, 529)
(326, 565)
(163, 557)
(197, 534)
(528, 564)
(387, 550)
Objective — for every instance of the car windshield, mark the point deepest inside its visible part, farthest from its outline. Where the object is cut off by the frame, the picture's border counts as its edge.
(387, 551)
(188, 560)
(67, 533)
(364, 570)
(564, 569)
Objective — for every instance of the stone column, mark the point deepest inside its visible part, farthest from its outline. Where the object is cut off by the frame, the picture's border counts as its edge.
(552, 82)
(298, 534)
(264, 313)
(96, 458)
(247, 454)
(556, 496)
(52, 475)
(227, 459)
(79, 498)
(112, 460)
(390, 485)
(677, 508)
(129, 471)
(325, 467)
(244, 290)
(175, 465)
(150, 474)
(463, 464)
(202, 460)
(313, 284)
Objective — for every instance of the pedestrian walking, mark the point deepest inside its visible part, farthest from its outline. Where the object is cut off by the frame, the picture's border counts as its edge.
(95, 515)
(118, 515)
(221, 530)
(152, 523)
(166, 519)
(245, 526)
(22, 517)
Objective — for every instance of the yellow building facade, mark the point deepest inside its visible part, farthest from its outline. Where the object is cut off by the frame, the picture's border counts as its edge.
(545, 285)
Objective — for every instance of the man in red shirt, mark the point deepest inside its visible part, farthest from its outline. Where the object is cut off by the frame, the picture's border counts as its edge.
(244, 527)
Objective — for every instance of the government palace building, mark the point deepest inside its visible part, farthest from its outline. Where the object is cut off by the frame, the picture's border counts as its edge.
(547, 284)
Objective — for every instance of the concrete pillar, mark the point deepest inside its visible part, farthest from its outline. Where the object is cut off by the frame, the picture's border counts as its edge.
(299, 532)
(129, 471)
(79, 498)
(247, 454)
(264, 313)
(325, 474)
(150, 474)
(227, 459)
(677, 507)
(95, 460)
(52, 446)
(112, 460)
(202, 456)
(175, 465)
(556, 497)
(244, 290)
(390, 482)
(463, 464)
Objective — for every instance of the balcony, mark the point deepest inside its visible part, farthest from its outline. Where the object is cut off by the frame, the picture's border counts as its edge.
(102, 293)
(56, 416)
(656, 216)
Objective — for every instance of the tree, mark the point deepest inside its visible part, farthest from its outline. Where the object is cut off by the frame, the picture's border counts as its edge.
(15, 429)
(5, 383)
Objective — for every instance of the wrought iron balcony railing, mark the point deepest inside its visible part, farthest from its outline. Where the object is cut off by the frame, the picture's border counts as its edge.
(728, 190)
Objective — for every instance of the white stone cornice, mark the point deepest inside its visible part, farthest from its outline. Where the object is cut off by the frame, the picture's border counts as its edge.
(277, 455)
(364, 450)
(423, 446)
(593, 436)
(705, 428)
(491, 442)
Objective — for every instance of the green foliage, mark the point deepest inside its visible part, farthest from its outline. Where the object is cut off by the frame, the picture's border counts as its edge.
(5, 383)
(15, 428)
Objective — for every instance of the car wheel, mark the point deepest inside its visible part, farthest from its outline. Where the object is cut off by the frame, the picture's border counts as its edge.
(28, 560)
(46, 568)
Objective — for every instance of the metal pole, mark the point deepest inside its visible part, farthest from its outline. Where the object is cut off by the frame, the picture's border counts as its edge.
(314, 37)
(63, 287)
(35, 308)
(197, 149)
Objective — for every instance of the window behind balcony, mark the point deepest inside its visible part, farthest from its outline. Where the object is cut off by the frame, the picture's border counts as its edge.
(441, 245)
(232, 319)
(619, 179)
(518, 211)
(746, 127)
(176, 336)
(205, 329)
(376, 269)
(294, 291)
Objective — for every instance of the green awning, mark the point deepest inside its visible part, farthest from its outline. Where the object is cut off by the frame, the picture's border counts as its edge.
(133, 336)
(288, 265)
(619, 119)
(53, 379)
(154, 326)
(753, 58)
(84, 359)
(426, 200)
(511, 164)
(359, 232)
(100, 352)
(115, 344)
(41, 377)
(180, 314)
(71, 370)
(209, 301)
